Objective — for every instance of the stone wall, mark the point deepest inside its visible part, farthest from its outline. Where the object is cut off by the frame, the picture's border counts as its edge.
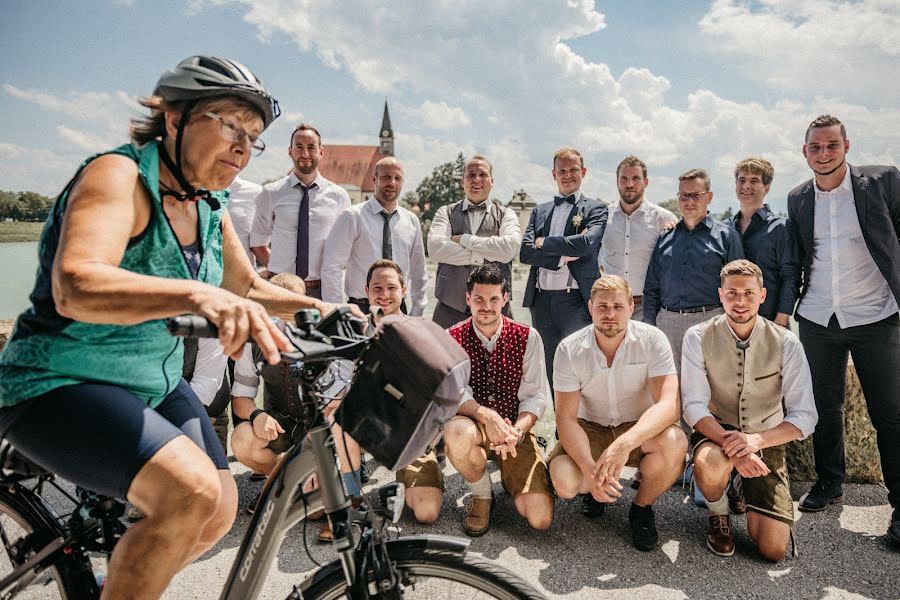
(860, 446)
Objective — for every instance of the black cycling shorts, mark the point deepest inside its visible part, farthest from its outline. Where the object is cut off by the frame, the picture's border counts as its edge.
(99, 436)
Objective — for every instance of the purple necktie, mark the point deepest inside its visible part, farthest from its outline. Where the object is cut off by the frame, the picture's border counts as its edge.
(301, 267)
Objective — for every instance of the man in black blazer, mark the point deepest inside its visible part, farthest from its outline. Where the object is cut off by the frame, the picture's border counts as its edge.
(847, 222)
(561, 243)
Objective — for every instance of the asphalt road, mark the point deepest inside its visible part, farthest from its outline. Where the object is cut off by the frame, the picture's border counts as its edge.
(843, 551)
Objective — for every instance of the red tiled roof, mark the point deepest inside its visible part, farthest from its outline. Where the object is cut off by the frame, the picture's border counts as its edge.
(350, 165)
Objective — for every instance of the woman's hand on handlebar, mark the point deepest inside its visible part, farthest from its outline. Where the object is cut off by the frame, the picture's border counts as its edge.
(238, 320)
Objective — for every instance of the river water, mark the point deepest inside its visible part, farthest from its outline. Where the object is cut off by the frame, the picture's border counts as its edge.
(18, 265)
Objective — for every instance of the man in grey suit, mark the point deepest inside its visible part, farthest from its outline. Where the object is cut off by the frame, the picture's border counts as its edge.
(561, 243)
(847, 221)
(468, 234)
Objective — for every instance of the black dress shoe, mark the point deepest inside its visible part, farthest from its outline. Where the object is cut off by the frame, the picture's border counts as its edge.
(820, 496)
(591, 508)
(894, 529)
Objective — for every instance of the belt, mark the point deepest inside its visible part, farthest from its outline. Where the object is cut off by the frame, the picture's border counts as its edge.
(313, 284)
(638, 300)
(693, 310)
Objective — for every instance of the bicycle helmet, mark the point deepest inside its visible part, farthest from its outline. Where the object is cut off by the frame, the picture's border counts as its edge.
(200, 77)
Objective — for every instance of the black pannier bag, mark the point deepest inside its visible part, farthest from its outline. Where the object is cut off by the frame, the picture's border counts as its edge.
(408, 384)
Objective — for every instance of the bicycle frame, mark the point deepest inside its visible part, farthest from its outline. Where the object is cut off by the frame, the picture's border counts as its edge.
(281, 506)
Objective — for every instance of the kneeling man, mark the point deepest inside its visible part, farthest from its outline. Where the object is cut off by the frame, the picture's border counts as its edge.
(616, 405)
(507, 394)
(747, 392)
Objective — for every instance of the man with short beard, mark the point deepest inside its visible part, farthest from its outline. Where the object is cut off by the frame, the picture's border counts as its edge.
(506, 395)
(296, 212)
(616, 405)
(747, 392)
(631, 232)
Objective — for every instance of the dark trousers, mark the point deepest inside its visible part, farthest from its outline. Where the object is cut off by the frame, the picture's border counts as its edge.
(364, 305)
(556, 314)
(447, 316)
(876, 356)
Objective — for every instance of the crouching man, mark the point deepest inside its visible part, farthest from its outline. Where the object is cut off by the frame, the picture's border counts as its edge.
(747, 392)
(616, 405)
(506, 395)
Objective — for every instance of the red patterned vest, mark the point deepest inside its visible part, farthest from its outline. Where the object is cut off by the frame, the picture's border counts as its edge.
(495, 375)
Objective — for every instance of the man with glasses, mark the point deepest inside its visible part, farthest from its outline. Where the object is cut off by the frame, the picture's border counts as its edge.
(682, 285)
(296, 212)
(632, 230)
(847, 220)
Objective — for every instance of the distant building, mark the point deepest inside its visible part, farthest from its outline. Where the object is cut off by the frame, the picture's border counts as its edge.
(523, 204)
(353, 167)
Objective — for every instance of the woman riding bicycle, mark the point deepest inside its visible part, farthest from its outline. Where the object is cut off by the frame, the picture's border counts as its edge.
(90, 382)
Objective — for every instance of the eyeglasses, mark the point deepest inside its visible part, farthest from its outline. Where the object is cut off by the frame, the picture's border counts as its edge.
(235, 134)
(692, 196)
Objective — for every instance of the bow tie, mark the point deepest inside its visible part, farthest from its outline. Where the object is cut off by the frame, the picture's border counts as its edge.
(482, 206)
(560, 199)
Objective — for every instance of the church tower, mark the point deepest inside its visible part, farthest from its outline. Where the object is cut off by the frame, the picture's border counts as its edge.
(386, 134)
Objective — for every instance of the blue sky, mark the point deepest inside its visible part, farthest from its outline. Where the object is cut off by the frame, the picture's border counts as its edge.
(680, 84)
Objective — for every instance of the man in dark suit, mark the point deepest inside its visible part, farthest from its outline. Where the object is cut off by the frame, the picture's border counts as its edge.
(847, 221)
(561, 243)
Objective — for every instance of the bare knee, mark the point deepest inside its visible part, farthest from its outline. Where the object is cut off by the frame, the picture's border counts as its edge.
(459, 434)
(179, 481)
(226, 510)
(772, 549)
(425, 503)
(537, 509)
(565, 476)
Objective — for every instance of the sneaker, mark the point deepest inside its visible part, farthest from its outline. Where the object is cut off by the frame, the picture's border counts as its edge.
(718, 535)
(735, 493)
(478, 520)
(251, 508)
(894, 528)
(590, 508)
(643, 527)
(820, 496)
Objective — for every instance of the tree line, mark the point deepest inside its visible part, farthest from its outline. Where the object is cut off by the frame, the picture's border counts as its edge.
(24, 206)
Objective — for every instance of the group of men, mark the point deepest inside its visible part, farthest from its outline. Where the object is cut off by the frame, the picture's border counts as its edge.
(687, 322)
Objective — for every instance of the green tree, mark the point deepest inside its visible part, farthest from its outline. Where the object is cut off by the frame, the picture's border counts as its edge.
(671, 204)
(440, 188)
(34, 206)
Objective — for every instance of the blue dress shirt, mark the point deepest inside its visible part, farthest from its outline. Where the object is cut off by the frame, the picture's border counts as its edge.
(684, 269)
(769, 243)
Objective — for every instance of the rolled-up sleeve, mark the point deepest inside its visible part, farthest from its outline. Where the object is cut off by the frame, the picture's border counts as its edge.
(695, 391)
(533, 388)
(799, 403)
(246, 377)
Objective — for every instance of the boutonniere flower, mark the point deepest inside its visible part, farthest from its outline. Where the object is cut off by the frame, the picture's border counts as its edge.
(576, 220)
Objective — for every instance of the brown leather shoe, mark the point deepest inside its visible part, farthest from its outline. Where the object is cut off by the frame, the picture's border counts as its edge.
(478, 521)
(718, 535)
(325, 535)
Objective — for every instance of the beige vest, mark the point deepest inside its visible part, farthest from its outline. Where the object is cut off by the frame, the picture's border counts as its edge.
(745, 384)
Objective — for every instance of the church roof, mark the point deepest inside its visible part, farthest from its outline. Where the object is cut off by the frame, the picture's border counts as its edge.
(350, 165)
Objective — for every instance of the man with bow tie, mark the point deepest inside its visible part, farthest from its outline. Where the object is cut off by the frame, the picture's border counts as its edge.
(561, 243)
(468, 234)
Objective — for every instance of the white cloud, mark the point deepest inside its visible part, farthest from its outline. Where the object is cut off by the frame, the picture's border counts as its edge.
(85, 141)
(439, 115)
(831, 48)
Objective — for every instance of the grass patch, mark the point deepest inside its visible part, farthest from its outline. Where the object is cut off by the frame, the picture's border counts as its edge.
(20, 231)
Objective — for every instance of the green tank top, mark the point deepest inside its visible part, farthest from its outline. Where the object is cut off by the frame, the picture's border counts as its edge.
(47, 350)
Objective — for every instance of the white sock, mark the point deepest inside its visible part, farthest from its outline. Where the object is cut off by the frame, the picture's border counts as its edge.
(482, 487)
(718, 507)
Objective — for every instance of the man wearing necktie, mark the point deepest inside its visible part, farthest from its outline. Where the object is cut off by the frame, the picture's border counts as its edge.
(296, 212)
(561, 243)
(377, 228)
(466, 235)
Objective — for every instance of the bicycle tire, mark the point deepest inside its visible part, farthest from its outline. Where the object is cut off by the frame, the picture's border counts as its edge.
(430, 575)
(20, 516)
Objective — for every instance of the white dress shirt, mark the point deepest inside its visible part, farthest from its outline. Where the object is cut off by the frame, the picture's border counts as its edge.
(277, 219)
(616, 394)
(799, 405)
(471, 249)
(560, 279)
(533, 388)
(628, 241)
(242, 209)
(355, 243)
(844, 280)
(246, 371)
(209, 370)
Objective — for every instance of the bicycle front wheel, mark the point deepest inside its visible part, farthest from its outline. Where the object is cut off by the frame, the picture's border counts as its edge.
(430, 576)
(24, 531)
